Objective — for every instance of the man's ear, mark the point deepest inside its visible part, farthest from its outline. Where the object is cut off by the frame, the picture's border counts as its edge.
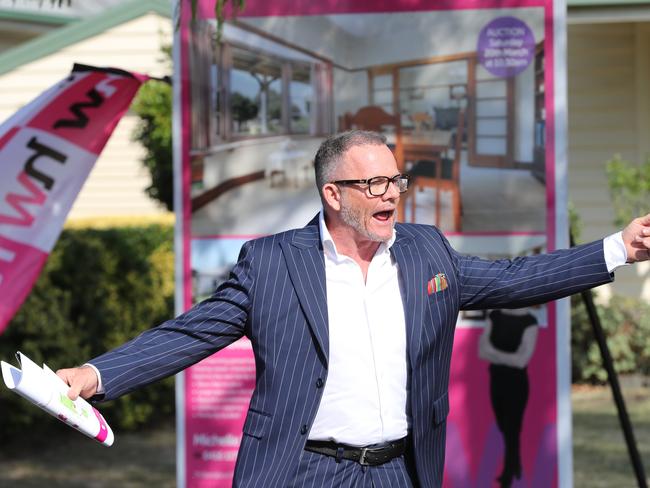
(332, 196)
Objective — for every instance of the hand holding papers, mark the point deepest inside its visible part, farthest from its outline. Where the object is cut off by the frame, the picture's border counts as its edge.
(45, 389)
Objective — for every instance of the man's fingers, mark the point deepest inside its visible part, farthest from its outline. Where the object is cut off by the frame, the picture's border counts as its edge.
(639, 249)
(82, 381)
(638, 240)
(636, 237)
(73, 392)
(68, 375)
(641, 242)
(642, 255)
(645, 220)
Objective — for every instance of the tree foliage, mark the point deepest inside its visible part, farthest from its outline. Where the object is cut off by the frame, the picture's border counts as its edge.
(98, 289)
(153, 105)
(626, 323)
(220, 13)
(629, 186)
(243, 108)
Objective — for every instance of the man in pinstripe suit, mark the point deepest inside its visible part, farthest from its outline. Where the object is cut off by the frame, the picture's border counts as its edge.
(351, 319)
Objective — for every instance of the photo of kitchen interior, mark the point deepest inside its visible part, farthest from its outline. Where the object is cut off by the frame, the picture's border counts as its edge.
(262, 102)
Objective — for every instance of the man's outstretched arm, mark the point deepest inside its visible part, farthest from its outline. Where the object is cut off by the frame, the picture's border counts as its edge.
(524, 281)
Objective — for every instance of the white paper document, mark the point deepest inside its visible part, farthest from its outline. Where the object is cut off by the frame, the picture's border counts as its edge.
(45, 389)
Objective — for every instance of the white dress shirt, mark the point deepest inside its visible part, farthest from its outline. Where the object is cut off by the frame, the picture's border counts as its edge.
(364, 398)
(614, 250)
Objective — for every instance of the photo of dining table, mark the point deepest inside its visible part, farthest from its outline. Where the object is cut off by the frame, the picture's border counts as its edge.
(425, 158)
(425, 144)
(429, 144)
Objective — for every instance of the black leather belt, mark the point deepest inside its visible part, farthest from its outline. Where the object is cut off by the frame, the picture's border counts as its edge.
(366, 456)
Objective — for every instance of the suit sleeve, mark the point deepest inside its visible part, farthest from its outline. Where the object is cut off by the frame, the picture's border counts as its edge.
(178, 343)
(529, 280)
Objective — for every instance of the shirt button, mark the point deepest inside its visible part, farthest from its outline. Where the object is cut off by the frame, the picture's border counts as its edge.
(319, 383)
(303, 429)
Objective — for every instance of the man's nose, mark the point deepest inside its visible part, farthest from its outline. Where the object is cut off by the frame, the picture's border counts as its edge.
(393, 192)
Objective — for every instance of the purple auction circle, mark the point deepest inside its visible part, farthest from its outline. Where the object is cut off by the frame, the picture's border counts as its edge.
(505, 46)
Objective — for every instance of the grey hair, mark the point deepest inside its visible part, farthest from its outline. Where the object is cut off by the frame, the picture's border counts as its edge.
(331, 151)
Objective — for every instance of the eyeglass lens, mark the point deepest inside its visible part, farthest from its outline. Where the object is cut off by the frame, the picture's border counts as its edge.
(379, 185)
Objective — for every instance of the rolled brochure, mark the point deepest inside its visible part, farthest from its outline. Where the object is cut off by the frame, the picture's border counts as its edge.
(45, 389)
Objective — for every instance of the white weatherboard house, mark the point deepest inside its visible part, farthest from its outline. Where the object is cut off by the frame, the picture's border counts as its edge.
(608, 96)
(609, 113)
(127, 36)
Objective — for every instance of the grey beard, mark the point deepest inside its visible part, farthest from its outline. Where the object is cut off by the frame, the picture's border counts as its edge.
(352, 218)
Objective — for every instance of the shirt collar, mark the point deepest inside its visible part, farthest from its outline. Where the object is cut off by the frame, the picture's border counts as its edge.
(330, 247)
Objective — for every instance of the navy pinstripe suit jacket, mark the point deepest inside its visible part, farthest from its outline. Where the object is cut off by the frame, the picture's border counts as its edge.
(276, 297)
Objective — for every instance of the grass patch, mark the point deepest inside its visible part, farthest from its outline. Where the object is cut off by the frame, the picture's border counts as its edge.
(64, 459)
(600, 457)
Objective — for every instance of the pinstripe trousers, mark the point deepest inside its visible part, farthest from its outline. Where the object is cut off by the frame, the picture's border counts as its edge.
(320, 471)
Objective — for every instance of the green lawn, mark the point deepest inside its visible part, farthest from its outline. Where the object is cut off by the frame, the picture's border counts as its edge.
(70, 460)
(148, 459)
(600, 457)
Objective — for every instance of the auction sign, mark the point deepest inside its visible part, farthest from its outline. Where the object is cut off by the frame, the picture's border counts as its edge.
(474, 87)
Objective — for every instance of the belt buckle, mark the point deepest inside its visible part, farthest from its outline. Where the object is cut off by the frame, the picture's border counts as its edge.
(362, 458)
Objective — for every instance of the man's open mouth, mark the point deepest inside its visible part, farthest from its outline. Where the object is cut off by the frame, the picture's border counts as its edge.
(384, 215)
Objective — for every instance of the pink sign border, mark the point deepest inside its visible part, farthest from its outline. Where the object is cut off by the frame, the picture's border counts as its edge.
(288, 7)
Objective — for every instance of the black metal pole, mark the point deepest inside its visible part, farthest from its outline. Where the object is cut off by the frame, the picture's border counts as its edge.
(608, 364)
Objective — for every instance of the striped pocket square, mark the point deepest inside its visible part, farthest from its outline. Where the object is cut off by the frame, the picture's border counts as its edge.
(437, 283)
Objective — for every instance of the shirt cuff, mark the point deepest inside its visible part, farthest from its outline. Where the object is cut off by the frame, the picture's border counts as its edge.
(614, 250)
(100, 387)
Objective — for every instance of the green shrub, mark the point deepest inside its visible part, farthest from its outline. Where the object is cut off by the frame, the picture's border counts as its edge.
(629, 187)
(98, 289)
(153, 105)
(626, 324)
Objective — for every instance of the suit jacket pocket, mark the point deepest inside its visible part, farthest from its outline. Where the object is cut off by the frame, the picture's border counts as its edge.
(441, 409)
(256, 424)
(441, 294)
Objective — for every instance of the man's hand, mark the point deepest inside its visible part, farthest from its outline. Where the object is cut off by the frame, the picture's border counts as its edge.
(636, 237)
(82, 381)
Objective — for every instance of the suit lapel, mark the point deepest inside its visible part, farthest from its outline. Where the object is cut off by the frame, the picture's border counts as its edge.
(306, 266)
(412, 277)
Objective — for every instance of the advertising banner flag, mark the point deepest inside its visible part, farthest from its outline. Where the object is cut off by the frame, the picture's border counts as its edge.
(47, 150)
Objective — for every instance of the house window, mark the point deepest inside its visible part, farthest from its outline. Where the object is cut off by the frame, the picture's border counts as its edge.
(382, 91)
(301, 94)
(260, 89)
(426, 89)
(256, 94)
(268, 95)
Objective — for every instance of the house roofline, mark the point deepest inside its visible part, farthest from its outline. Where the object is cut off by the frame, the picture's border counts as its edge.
(78, 31)
(36, 17)
(606, 3)
(607, 11)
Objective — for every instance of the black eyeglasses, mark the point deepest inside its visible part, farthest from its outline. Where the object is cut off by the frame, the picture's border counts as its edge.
(378, 185)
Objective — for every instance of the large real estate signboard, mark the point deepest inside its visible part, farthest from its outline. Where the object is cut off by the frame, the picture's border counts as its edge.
(471, 98)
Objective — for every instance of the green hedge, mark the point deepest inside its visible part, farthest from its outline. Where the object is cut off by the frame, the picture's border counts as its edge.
(98, 289)
(626, 324)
